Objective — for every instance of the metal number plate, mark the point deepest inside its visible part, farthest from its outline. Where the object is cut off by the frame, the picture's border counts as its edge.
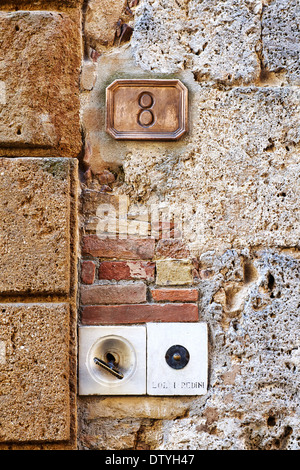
(146, 109)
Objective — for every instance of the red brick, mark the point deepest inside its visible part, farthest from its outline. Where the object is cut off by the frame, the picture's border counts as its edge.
(175, 295)
(119, 270)
(128, 248)
(171, 248)
(113, 294)
(124, 314)
(88, 269)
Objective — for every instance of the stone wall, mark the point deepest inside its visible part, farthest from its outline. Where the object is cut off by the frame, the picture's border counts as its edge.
(80, 244)
(40, 142)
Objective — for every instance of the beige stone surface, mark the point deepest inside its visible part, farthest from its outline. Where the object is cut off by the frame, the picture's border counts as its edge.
(35, 197)
(40, 55)
(280, 39)
(235, 181)
(174, 272)
(101, 20)
(39, 4)
(136, 407)
(218, 41)
(34, 372)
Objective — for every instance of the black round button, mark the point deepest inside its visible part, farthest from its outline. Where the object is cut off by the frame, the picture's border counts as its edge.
(177, 356)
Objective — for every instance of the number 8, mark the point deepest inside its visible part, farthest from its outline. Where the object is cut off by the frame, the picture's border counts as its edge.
(146, 116)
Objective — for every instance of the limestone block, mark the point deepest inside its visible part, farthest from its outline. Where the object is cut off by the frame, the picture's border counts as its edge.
(281, 38)
(34, 372)
(135, 407)
(235, 182)
(101, 22)
(39, 4)
(40, 55)
(35, 224)
(174, 272)
(88, 76)
(217, 40)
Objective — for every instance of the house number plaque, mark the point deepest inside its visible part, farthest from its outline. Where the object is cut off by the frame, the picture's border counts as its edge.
(146, 109)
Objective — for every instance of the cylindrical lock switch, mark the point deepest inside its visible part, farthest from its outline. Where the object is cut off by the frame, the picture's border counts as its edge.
(177, 356)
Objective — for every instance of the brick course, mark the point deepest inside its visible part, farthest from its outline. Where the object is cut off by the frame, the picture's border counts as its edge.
(114, 294)
(88, 269)
(117, 248)
(175, 295)
(119, 270)
(128, 314)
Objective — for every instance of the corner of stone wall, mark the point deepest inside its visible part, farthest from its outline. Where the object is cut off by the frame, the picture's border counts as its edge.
(40, 141)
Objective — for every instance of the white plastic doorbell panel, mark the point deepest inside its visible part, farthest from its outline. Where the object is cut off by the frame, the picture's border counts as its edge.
(112, 360)
(177, 358)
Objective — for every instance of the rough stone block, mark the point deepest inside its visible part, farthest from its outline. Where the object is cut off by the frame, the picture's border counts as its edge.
(217, 40)
(40, 55)
(39, 4)
(137, 407)
(174, 272)
(35, 224)
(34, 372)
(238, 182)
(101, 21)
(280, 38)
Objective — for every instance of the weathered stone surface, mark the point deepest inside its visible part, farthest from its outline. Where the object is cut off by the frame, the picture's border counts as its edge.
(34, 372)
(101, 21)
(35, 224)
(40, 56)
(236, 180)
(173, 272)
(136, 407)
(102, 212)
(39, 4)
(124, 432)
(233, 177)
(88, 76)
(252, 401)
(218, 41)
(281, 38)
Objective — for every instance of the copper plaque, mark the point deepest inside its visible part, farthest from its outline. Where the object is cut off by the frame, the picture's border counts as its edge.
(146, 109)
